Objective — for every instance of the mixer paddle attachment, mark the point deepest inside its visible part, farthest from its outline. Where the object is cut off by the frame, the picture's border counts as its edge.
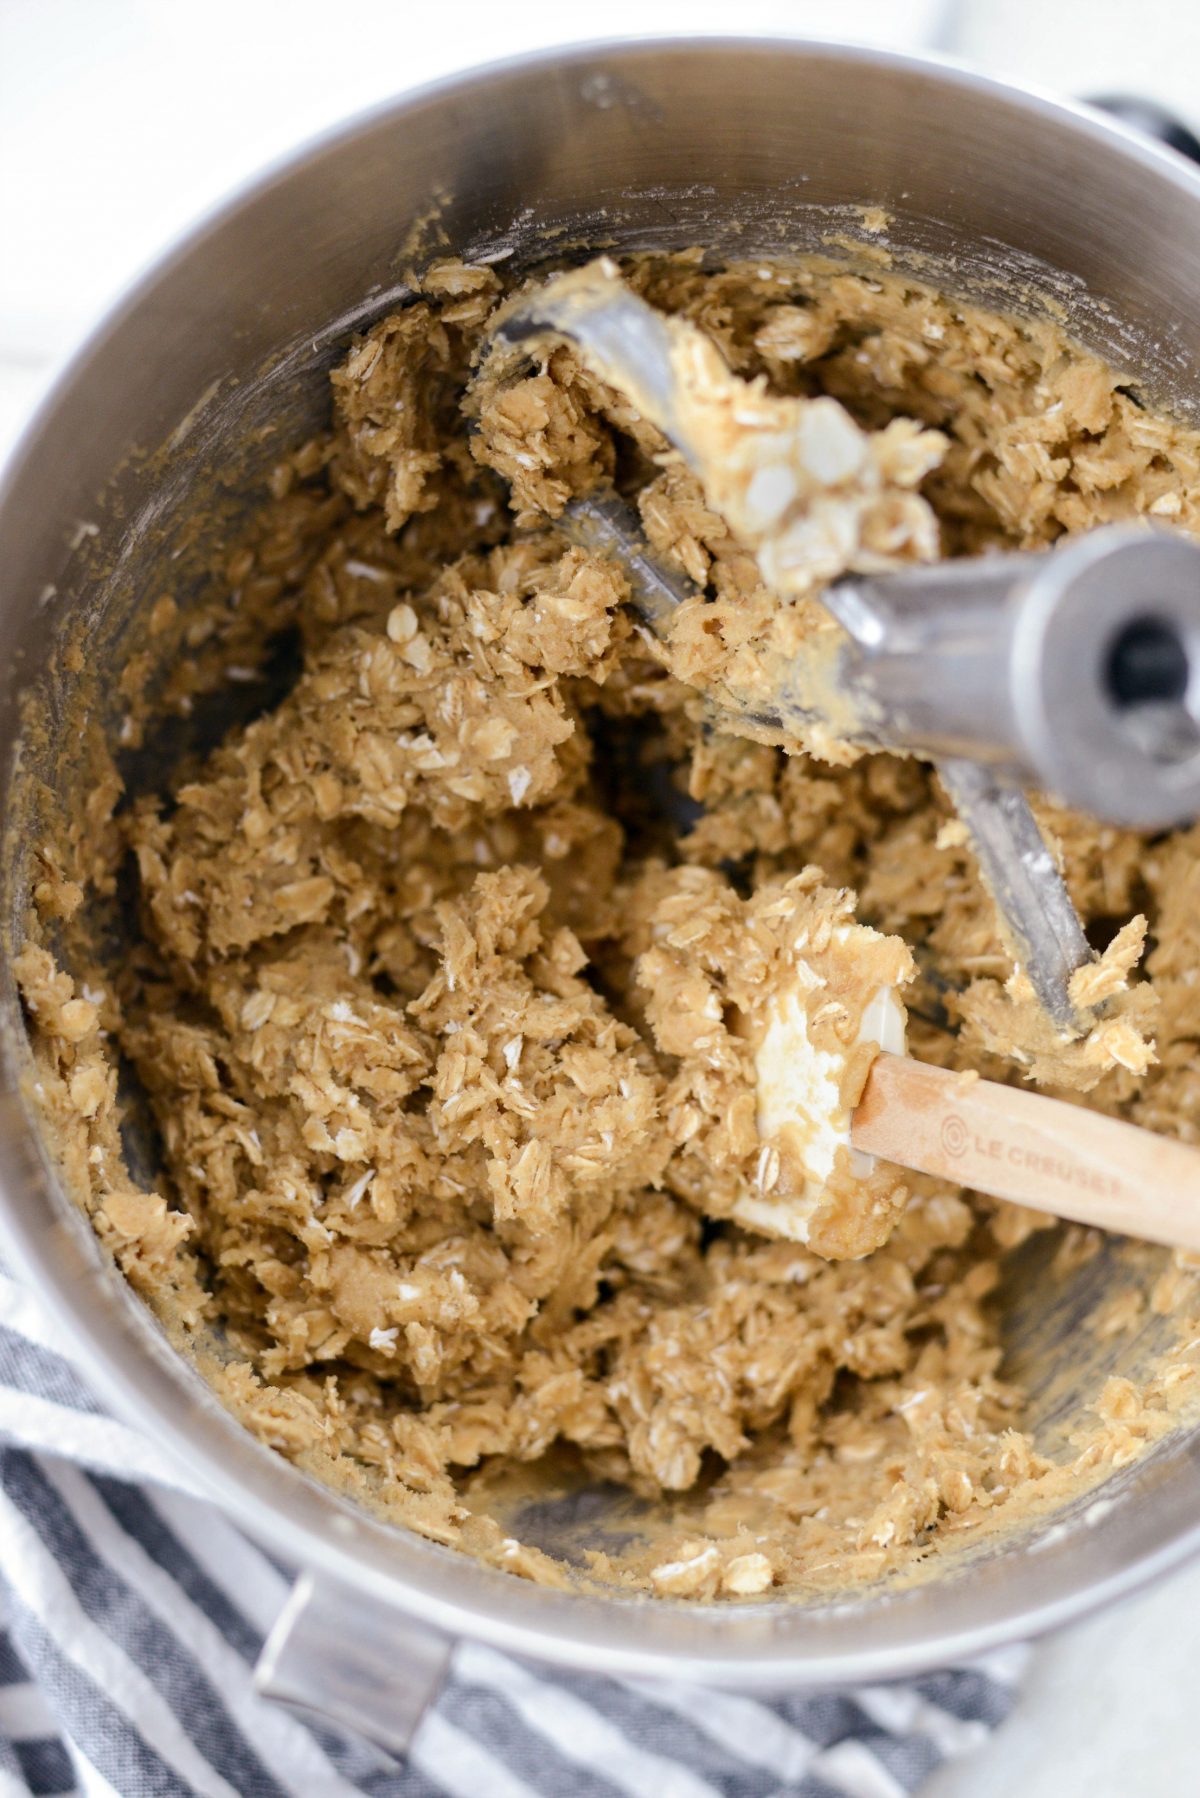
(1075, 670)
(1036, 913)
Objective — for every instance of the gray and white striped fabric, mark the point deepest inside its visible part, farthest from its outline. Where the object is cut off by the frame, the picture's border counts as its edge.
(131, 1613)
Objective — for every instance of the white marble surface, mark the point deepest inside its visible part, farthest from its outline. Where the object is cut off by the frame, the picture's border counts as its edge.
(121, 119)
(1108, 1710)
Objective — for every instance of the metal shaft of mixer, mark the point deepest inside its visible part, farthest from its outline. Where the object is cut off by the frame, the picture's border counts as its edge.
(1076, 670)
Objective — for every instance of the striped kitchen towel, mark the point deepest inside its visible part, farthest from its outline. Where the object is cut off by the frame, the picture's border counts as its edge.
(131, 1614)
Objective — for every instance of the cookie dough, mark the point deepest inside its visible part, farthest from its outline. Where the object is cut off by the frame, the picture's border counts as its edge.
(461, 971)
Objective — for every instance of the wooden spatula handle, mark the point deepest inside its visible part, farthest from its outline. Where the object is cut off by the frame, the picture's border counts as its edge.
(1041, 1152)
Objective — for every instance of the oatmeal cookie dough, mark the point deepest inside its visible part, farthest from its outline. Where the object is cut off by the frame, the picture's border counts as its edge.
(453, 968)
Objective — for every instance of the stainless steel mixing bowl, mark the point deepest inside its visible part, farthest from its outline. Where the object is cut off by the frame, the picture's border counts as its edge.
(219, 356)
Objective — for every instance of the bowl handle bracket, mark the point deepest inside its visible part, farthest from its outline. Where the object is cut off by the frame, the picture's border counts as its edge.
(342, 1658)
